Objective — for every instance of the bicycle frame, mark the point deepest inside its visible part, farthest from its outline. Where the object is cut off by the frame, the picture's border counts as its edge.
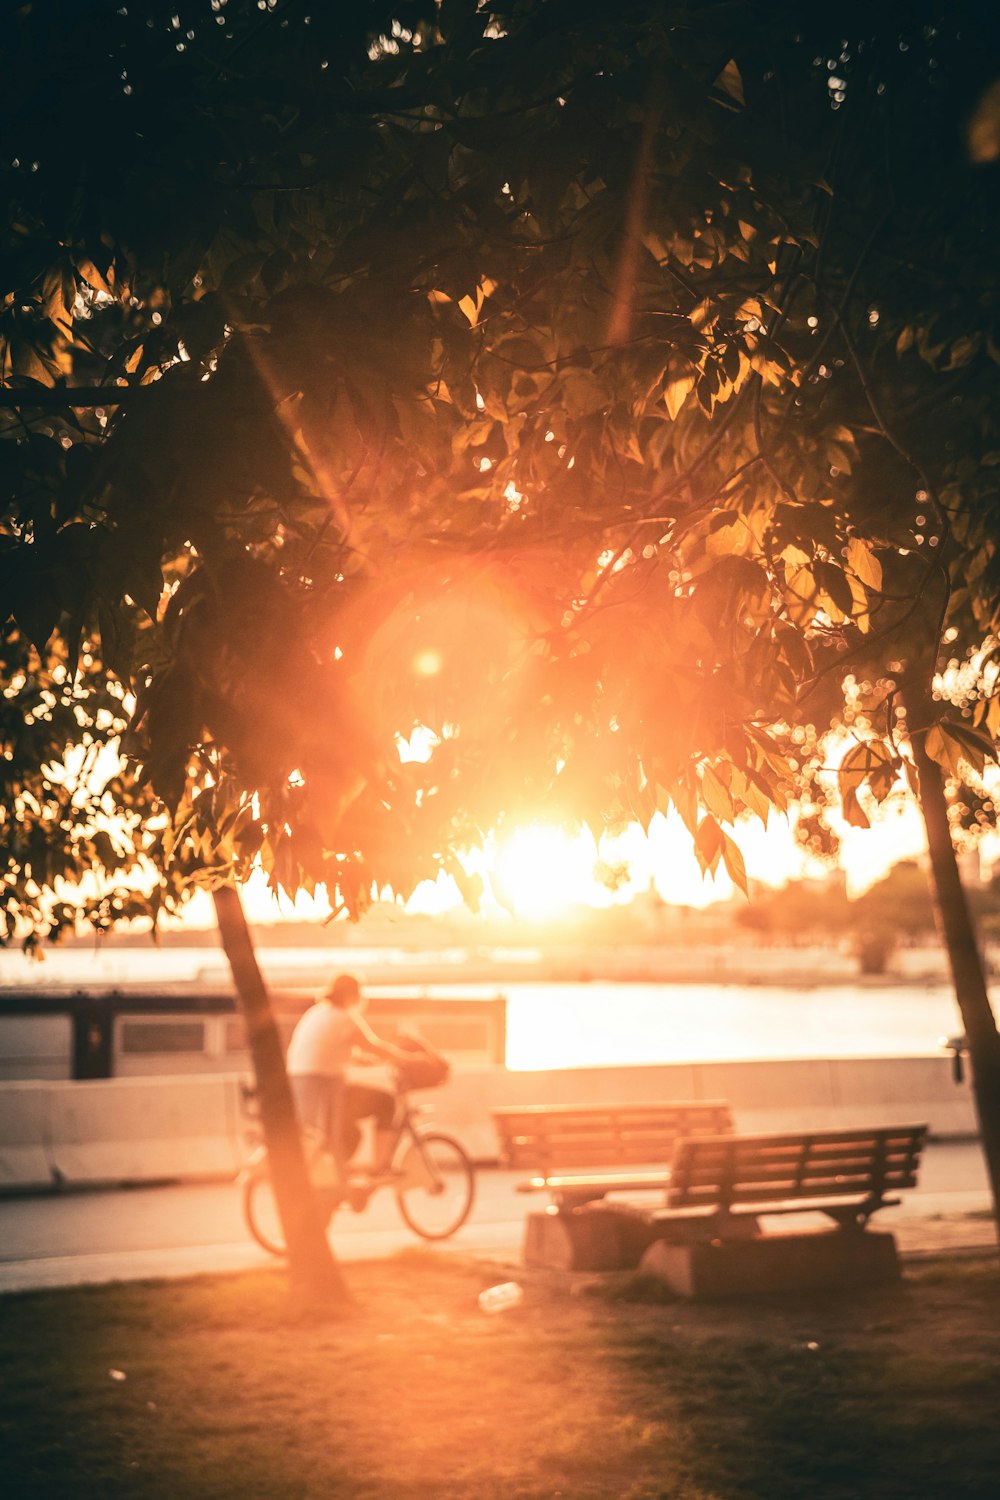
(406, 1131)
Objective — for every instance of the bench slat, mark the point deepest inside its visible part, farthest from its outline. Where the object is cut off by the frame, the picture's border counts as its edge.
(597, 1156)
(834, 1138)
(594, 1134)
(766, 1207)
(757, 1170)
(788, 1149)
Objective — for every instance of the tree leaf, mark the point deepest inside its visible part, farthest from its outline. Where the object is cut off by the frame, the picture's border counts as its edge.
(949, 743)
(833, 581)
(709, 843)
(862, 561)
(730, 82)
(735, 867)
(871, 761)
(676, 393)
(93, 277)
(716, 796)
(944, 748)
(853, 812)
(686, 802)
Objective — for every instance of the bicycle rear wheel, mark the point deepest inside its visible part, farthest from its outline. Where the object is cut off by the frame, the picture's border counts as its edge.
(437, 1188)
(260, 1209)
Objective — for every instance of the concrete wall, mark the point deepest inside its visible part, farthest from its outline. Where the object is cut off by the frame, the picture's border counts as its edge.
(119, 1130)
(817, 1094)
(141, 1130)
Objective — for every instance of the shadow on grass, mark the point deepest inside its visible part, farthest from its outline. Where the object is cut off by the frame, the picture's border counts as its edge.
(206, 1390)
(888, 1393)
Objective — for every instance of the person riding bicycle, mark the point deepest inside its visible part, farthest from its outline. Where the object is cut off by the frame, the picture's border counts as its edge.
(326, 1038)
(428, 1171)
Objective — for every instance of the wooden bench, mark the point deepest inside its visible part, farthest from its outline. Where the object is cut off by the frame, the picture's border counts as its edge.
(705, 1238)
(846, 1174)
(707, 1241)
(577, 1152)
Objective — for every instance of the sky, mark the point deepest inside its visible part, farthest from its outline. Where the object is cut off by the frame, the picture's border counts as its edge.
(543, 871)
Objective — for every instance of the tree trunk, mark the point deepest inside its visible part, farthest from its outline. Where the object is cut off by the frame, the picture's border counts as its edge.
(959, 935)
(314, 1271)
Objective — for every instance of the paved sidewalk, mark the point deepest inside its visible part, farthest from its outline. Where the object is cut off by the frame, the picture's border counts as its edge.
(944, 1234)
(71, 1239)
(917, 1238)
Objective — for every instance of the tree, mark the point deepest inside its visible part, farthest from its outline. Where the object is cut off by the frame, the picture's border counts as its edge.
(592, 388)
(801, 911)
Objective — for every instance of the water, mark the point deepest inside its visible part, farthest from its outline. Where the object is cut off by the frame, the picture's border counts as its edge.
(579, 1024)
(572, 1025)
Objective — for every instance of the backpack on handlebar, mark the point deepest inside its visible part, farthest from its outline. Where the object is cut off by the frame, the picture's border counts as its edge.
(426, 1069)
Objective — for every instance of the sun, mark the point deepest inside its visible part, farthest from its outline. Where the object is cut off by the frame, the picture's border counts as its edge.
(541, 871)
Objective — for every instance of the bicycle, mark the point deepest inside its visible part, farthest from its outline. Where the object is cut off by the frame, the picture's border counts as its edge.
(429, 1171)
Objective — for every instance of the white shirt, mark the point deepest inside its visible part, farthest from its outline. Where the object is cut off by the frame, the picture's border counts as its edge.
(323, 1040)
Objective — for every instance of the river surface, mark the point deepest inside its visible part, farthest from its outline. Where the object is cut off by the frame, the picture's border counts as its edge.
(587, 1022)
(565, 1025)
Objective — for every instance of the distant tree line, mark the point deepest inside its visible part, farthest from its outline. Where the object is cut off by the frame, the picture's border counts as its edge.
(897, 910)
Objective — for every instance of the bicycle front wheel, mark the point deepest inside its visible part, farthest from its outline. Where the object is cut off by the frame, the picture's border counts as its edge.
(260, 1209)
(437, 1187)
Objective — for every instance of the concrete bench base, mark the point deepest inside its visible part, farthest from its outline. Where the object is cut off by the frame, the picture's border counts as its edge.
(595, 1238)
(613, 1238)
(609, 1236)
(774, 1263)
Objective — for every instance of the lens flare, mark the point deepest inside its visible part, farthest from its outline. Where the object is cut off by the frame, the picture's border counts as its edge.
(542, 871)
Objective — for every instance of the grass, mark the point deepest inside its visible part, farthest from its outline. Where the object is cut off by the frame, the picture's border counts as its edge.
(604, 1389)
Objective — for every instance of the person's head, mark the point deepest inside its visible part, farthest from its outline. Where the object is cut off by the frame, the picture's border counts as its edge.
(344, 991)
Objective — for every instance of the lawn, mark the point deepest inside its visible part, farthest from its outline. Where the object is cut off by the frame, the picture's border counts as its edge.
(211, 1390)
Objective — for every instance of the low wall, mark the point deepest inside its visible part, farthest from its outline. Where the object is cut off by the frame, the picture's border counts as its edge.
(25, 1134)
(119, 1130)
(789, 1094)
(146, 1129)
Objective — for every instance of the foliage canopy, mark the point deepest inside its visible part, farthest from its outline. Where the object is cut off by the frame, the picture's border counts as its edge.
(592, 387)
